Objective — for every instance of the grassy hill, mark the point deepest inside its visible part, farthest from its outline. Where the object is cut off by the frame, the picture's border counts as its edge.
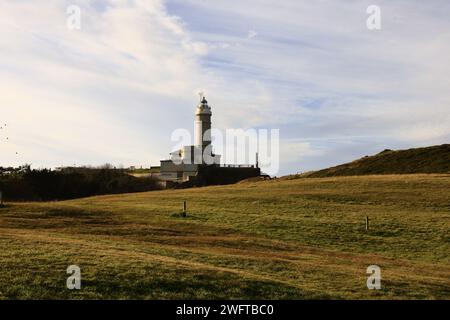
(434, 159)
(290, 239)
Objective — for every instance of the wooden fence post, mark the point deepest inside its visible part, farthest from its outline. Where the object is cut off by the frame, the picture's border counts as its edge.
(184, 208)
(367, 223)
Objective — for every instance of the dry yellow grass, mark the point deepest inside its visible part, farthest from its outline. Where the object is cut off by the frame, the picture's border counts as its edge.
(291, 239)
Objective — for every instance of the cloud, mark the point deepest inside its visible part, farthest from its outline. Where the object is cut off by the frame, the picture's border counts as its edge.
(252, 34)
(116, 89)
(327, 80)
(295, 151)
(103, 94)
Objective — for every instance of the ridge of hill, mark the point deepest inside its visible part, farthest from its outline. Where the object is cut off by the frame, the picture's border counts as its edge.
(435, 159)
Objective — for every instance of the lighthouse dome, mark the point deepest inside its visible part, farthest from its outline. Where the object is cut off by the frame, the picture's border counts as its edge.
(203, 107)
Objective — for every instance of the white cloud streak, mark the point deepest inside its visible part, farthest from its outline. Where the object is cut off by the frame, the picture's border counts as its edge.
(115, 90)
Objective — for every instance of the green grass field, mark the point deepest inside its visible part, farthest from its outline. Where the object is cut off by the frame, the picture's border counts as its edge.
(279, 239)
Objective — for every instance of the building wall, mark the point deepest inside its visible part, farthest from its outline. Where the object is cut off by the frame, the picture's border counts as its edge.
(177, 172)
(210, 175)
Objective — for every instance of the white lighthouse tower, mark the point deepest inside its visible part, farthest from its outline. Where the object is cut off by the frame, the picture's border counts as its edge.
(198, 163)
(203, 125)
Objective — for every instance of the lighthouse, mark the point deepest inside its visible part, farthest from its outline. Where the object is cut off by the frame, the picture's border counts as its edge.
(203, 125)
(197, 162)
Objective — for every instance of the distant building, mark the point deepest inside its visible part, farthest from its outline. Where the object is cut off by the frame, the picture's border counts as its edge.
(198, 162)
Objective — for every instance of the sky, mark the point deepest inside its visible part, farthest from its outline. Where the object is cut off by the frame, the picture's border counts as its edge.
(114, 90)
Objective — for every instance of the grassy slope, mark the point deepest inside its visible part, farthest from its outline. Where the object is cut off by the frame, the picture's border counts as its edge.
(290, 239)
(434, 159)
